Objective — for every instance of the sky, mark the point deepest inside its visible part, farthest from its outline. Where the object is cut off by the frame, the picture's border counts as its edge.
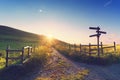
(66, 20)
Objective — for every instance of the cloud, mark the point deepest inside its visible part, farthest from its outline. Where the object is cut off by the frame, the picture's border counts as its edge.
(108, 3)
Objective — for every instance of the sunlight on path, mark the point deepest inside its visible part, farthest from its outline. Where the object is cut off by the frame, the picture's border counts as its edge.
(59, 65)
(59, 68)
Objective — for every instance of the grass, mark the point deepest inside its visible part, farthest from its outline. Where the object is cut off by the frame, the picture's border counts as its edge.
(13, 45)
(103, 60)
(17, 39)
(2, 62)
(108, 58)
(16, 44)
(36, 61)
(11, 54)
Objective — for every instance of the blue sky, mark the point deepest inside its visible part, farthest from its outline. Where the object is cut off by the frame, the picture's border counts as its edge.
(67, 20)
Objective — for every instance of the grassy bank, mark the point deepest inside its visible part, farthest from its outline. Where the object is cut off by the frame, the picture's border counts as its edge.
(16, 72)
(103, 60)
(107, 59)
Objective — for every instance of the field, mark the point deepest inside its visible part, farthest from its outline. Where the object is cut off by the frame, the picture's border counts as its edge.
(42, 54)
(42, 49)
(107, 58)
(16, 39)
(37, 60)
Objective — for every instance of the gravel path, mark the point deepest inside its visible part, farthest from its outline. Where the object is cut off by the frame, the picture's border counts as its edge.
(95, 72)
(102, 73)
(57, 66)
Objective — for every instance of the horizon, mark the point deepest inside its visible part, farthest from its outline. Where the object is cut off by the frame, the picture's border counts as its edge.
(66, 20)
(51, 37)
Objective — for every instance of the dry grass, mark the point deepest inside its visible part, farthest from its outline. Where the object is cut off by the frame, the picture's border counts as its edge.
(36, 61)
(107, 58)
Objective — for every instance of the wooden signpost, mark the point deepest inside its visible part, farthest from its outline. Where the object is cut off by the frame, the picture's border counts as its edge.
(97, 35)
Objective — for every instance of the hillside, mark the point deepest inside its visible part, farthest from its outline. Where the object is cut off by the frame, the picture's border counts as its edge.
(18, 38)
(15, 37)
(8, 33)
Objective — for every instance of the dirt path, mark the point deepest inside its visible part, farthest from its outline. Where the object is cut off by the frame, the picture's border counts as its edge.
(96, 72)
(57, 66)
(99, 72)
(102, 73)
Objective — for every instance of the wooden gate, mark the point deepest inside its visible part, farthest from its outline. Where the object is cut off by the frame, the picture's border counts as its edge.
(21, 53)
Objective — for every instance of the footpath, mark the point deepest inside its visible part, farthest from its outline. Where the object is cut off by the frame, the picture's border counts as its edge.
(58, 68)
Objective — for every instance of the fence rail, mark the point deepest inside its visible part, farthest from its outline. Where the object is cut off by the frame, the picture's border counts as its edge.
(109, 47)
(89, 48)
(14, 50)
(21, 52)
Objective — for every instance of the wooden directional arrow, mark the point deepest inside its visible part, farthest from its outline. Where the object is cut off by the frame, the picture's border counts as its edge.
(94, 35)
(98, 36)
(95, 28)
(101, 32)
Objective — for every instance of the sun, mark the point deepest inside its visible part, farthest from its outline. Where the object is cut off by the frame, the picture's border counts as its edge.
(50, 36)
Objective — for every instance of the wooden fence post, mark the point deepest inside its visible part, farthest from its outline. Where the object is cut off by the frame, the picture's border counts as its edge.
(75, 47)
(31, 50)
(69, 47)
(80, 48)
(28, 52)
(22, 56)
(89, 49)
(114, 47)
(34, 48)
(7, 56)
(102, 48)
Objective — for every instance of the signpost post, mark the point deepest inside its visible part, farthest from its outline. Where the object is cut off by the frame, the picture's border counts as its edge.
(98, 37)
